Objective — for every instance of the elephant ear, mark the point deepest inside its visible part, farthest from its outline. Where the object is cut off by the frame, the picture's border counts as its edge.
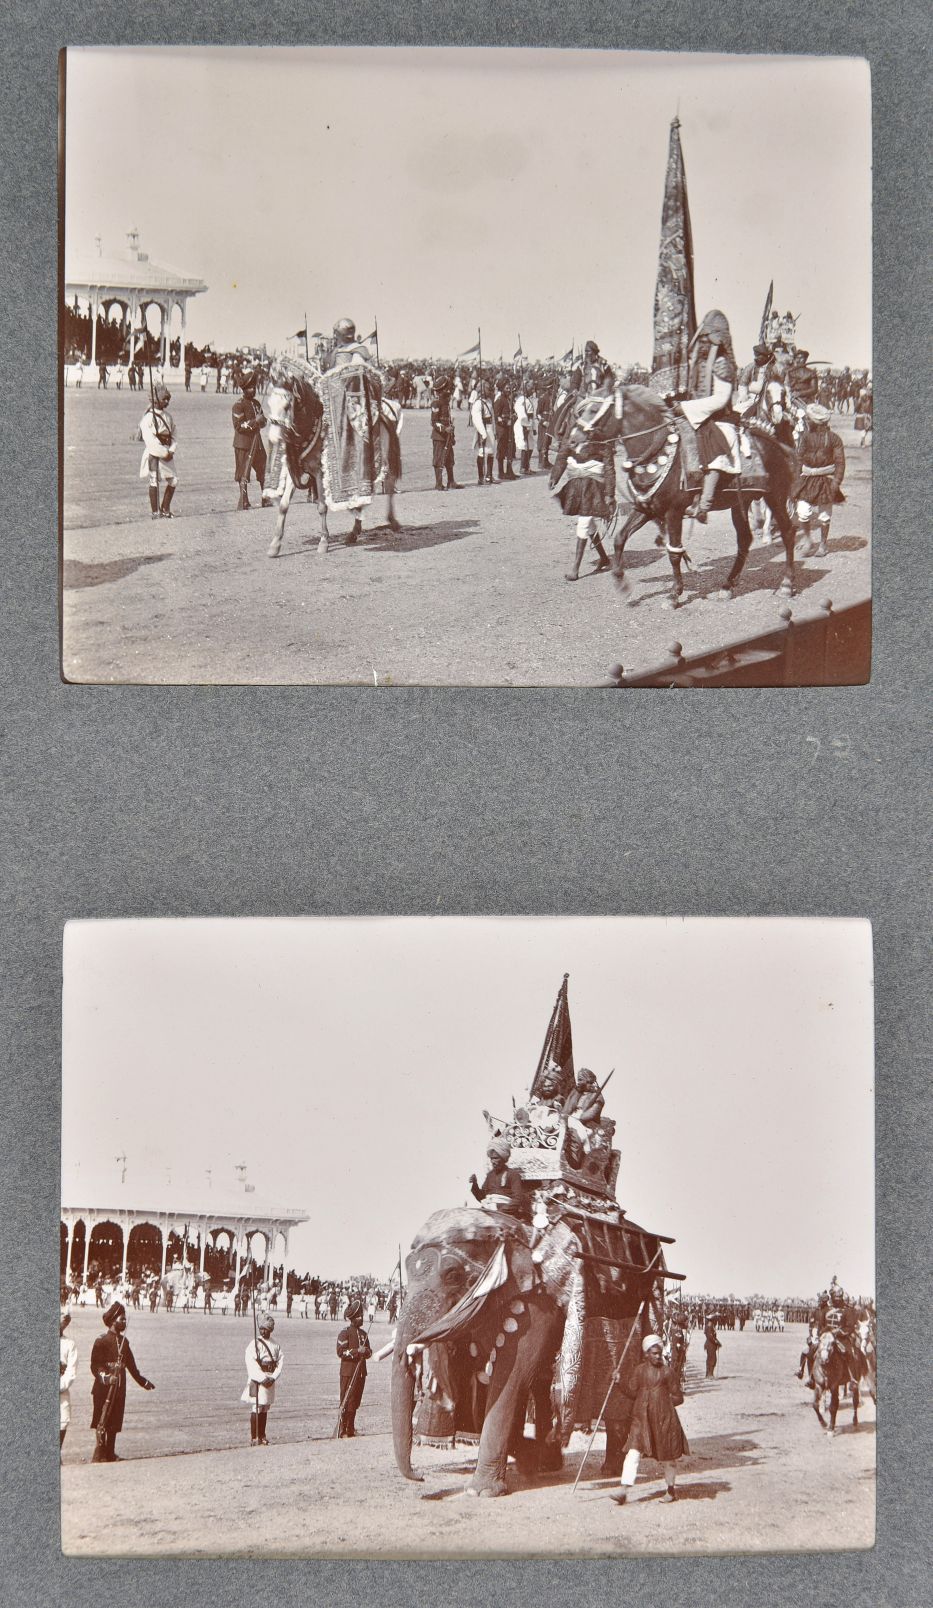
(465, 1315)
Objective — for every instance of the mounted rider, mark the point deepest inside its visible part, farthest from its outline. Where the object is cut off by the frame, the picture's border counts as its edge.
(838, 1316)
(344, 347)
(709, 407)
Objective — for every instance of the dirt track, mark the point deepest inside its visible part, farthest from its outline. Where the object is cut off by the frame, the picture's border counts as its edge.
(472, 593)
(761, 1475)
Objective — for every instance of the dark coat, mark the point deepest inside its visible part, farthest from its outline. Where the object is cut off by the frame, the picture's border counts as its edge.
(655, 1428)
(353, 1348)
(820, 447)
(111, 1353)
(506, 1181)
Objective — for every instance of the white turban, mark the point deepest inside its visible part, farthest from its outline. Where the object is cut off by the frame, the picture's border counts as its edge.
(651, 1340)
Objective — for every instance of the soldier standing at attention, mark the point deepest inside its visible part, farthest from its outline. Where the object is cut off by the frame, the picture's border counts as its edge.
(264, 1363)
(442, 439)
(111, 1361)
(248, 451)
(157, 432)
(353, 1348)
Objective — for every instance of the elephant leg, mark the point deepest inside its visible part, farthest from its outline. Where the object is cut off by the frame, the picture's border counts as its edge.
(549, 1454)
(508, 1390)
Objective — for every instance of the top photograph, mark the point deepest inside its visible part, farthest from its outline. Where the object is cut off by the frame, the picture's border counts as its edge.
(465, 367)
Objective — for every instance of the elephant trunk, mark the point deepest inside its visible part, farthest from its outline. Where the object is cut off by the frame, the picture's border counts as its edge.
(403, 1404)
(412, 1320)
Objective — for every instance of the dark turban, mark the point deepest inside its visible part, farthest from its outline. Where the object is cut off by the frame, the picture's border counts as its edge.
(117, 1310)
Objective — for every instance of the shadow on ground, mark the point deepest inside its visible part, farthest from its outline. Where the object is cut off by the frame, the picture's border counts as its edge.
(77, 575)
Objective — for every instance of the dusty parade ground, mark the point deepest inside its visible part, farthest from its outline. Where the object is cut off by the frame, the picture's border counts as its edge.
(761, 1475)
(472, 592)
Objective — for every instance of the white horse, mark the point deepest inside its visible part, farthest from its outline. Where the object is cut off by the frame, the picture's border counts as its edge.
(298, 418)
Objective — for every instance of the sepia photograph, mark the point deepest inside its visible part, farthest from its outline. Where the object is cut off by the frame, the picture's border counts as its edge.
(566, 1223)
(613, 307)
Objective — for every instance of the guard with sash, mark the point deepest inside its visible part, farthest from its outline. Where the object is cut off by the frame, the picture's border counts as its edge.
(111, 1361)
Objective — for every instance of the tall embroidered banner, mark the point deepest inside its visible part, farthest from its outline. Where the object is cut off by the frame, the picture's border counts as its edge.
(675, 318)
(557, 1049)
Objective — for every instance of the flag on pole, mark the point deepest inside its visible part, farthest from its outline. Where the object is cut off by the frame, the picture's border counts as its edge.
(518, 354)
(557, 1049)
(472, 351)
(675, 318)
(766, 315)
(372, 336)
(300, 334)
(568, 356)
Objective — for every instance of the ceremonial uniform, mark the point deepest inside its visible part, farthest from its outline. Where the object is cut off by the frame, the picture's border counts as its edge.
(655, 1430)
(111, 1361)
(67, 1373)
(442, 441)
(264, 1363)
(822, 468)
(505, 450)
(248, 450)
(483, 419)
(157, 429)
(712, 1347)
(353, 1349)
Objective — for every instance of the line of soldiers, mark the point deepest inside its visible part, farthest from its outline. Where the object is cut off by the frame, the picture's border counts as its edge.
(112, 1360)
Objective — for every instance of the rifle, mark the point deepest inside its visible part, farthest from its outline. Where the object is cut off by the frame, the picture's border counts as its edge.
(603, 1085)
(110, 1398)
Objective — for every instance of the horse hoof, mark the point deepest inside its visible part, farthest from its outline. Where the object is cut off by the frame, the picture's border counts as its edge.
(569, 577)
(352, 539)
(725, 594)
(786, 589)
(322, 549)
(273, 551)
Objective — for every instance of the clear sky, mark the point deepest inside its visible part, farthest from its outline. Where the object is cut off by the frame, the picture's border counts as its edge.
(444, 189)
(348, 1062)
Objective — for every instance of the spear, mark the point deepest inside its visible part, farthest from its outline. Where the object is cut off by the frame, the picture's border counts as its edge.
(617, 1370)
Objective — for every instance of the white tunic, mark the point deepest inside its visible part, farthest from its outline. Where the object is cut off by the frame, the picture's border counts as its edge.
(264, 1395)
(68, 1358)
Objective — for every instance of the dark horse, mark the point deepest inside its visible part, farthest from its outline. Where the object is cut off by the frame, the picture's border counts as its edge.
(651, 435)
(834, 1369)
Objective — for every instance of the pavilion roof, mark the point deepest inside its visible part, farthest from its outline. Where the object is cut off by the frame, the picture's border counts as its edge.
(177, 1204)
(129, 272)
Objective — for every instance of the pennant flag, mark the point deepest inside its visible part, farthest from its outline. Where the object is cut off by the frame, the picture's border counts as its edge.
(472, 351)
(300, 335)
(568, 356)
(518, 354)
(372, 336)
(766, 315)
(675, 318)
(557, 1049)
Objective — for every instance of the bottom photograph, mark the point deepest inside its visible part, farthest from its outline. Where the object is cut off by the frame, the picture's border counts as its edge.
(456, 1237)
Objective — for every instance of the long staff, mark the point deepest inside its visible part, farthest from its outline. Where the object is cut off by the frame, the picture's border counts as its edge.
(617, 1370)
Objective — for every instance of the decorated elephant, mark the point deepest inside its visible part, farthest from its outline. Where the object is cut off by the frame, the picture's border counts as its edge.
(499, 1314)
